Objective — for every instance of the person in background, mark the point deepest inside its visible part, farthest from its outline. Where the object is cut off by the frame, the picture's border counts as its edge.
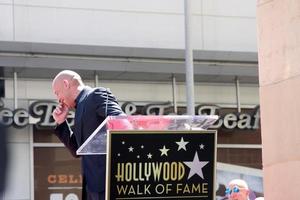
(237, 190)
(3, 157)
(92, 106)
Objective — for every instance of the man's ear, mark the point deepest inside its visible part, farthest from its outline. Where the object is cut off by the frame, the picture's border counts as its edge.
(66, 83)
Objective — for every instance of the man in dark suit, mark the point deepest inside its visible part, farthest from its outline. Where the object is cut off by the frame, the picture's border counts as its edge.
(92, 106)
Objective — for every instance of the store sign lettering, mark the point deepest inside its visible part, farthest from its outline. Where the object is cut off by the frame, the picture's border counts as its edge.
(40, 114)
(231, 120)
(64, 179)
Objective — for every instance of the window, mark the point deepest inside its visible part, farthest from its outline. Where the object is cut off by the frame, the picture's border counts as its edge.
(57, 175)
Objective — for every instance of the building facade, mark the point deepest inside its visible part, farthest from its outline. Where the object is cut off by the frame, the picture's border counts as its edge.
(135, 48)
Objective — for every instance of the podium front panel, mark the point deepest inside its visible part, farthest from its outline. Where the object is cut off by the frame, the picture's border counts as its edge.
(161, 165)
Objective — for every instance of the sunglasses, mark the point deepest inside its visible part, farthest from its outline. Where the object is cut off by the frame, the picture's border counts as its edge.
(235, 189)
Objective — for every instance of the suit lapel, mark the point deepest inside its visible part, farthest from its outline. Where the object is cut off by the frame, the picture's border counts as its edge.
(79, 117)
(78, 124)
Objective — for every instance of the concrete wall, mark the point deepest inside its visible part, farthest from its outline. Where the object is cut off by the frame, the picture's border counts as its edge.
(217, 24)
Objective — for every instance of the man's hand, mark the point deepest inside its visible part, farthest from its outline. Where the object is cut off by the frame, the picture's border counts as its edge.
(60, 113)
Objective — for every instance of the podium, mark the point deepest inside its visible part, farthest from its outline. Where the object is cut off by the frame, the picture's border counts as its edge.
(156, 157)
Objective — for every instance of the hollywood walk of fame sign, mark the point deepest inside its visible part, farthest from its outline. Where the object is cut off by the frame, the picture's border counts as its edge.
(161, 165)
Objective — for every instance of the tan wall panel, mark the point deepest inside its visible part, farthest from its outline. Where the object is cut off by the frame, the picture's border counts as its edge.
(284, 181)
(279, 42)
(280, 121)
(279, 38)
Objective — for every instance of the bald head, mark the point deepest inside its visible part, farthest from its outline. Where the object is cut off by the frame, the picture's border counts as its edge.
(67, 75)
(66, 86)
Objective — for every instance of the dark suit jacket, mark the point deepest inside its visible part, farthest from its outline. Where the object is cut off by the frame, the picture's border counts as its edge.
(93, 105)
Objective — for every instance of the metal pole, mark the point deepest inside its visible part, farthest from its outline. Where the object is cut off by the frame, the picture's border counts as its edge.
(189, 59)
(237, 90)
(96, 79)
(174, 93)
(15, 91)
